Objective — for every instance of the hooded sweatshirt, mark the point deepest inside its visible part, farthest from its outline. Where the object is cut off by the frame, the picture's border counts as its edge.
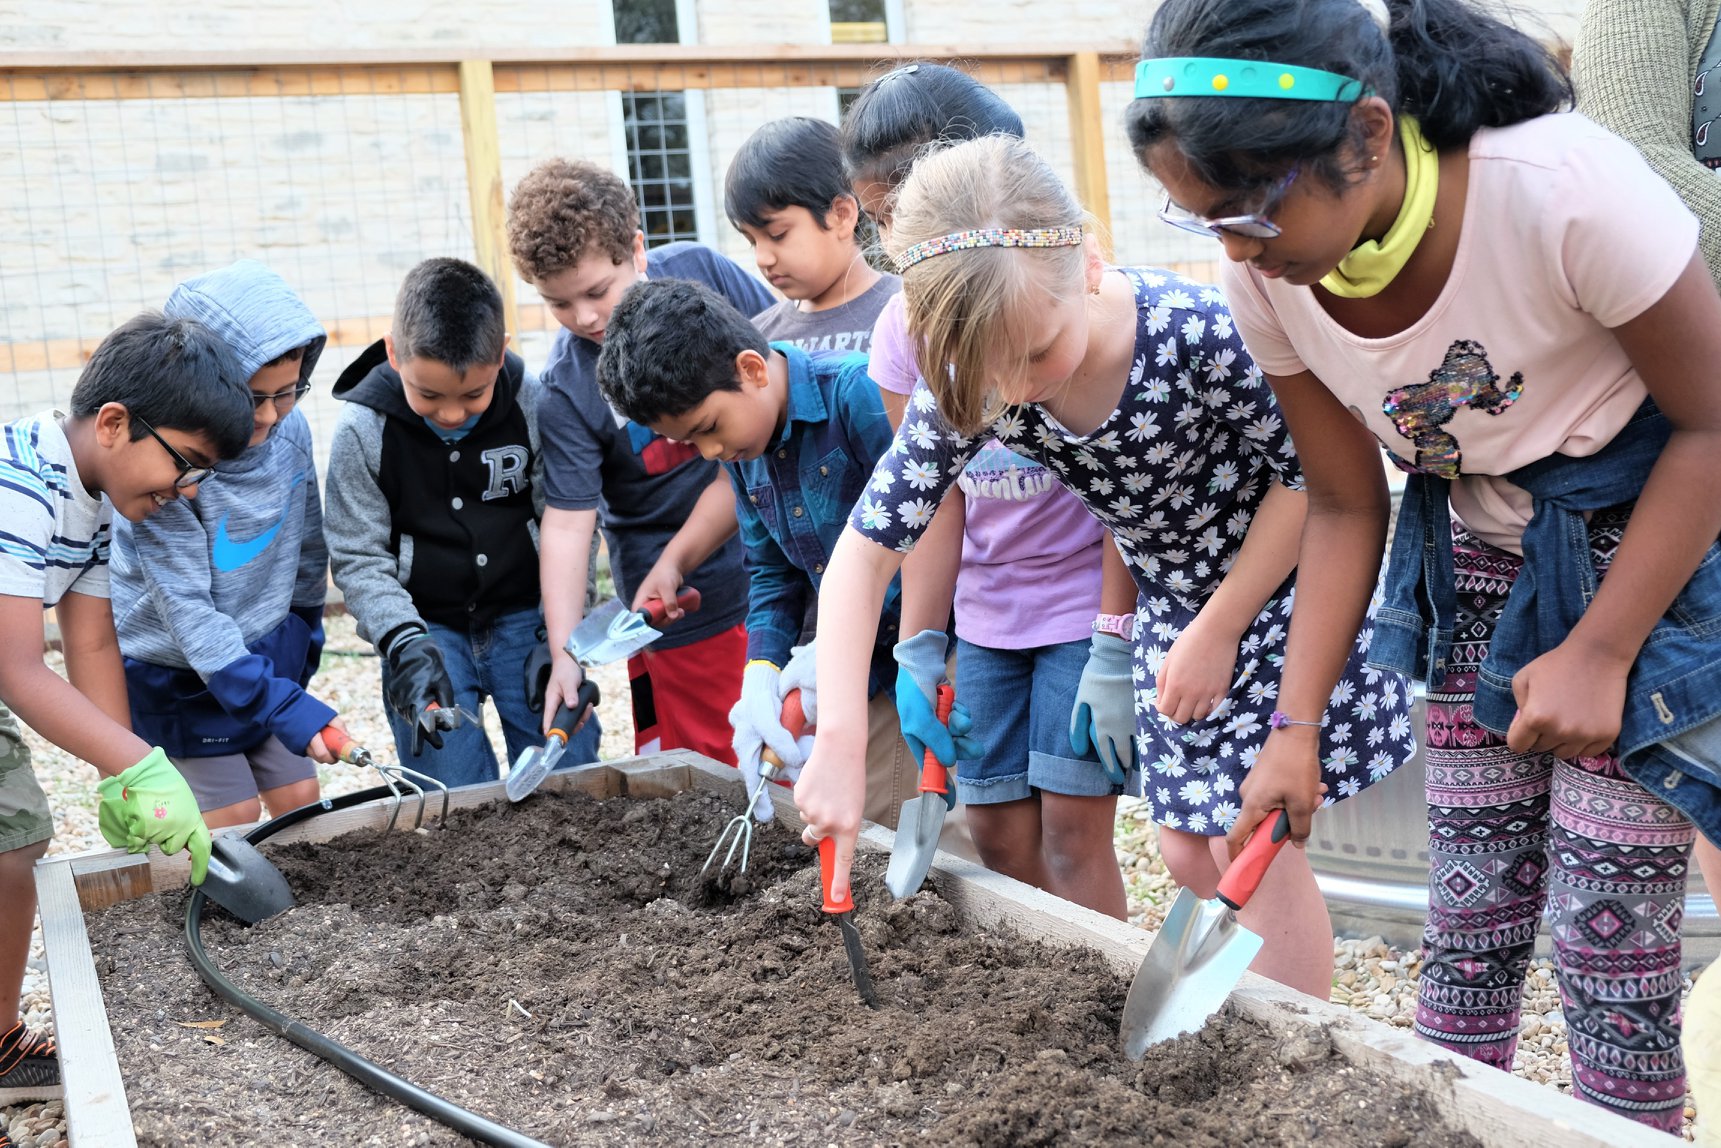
(218, 599)
(421, 529)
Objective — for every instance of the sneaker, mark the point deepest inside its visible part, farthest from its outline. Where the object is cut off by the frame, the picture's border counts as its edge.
(29, 1067)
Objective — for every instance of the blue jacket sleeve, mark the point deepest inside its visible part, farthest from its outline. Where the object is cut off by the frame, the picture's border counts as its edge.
(776, 588)
(250, 688)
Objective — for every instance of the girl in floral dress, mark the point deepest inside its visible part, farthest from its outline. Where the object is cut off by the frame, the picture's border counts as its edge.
(1131, 386)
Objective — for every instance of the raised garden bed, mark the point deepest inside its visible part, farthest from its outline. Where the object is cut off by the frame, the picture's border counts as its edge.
(560, 967)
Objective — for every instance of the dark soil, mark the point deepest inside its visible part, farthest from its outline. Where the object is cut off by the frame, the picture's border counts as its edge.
(663, 1010)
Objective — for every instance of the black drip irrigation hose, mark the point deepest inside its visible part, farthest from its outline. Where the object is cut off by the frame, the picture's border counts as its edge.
(366, 1072)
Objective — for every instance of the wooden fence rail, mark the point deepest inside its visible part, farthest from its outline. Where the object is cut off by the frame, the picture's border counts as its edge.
(43, 76)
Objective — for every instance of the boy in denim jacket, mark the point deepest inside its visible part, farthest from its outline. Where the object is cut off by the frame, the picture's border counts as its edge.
(799, 437)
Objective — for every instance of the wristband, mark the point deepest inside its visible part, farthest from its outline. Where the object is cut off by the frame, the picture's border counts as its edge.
(1117, 625)
(1280, 721)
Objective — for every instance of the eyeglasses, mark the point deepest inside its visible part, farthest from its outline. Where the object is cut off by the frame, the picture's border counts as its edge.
(1255, 225)
(283, 400)
(190, 474)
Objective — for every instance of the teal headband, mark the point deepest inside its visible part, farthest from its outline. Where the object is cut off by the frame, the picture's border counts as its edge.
(1254, 79)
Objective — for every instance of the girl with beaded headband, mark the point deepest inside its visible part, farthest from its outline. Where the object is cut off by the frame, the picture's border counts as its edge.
(1511, 303)
(1042, 662)
(1131, 386)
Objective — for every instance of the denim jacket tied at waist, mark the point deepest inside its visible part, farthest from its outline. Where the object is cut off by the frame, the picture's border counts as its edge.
(1670, 735)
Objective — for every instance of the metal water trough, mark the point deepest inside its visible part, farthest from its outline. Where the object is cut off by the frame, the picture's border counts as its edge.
(1370, 856)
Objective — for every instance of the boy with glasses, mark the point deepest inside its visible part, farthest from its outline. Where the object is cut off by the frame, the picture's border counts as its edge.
(219, 601)
(159, 403)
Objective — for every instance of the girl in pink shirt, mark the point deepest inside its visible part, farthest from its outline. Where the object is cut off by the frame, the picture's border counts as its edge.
(1425, 258)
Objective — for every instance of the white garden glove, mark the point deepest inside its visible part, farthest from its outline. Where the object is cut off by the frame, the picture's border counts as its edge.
(758, 722)
(798, 675)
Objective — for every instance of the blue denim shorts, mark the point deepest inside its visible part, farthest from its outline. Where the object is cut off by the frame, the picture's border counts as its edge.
(1021, 701)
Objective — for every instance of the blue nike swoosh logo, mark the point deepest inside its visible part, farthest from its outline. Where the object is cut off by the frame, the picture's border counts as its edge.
(229, 554)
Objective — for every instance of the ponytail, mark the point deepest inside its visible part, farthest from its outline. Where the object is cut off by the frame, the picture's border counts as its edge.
(1459, 70)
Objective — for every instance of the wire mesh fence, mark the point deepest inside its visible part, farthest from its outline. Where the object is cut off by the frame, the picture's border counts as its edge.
(343, 175)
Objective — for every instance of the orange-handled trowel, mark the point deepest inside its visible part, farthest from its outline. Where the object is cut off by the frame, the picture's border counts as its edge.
(921, 820)
(1201, 951)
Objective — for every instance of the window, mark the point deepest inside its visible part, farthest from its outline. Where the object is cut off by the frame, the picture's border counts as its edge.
(660, 155)
(859, 22)
(646, 22)
(660, 165)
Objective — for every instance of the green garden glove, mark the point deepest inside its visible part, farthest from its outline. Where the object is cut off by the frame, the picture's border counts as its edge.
(150, 804)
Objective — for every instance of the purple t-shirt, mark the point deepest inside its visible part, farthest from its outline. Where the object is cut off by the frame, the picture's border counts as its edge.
(1030, 551)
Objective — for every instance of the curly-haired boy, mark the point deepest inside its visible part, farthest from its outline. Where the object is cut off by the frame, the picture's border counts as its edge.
(573, 230)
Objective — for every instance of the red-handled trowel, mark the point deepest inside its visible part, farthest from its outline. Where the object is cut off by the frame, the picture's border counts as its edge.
(1201, 951)
(843, 911)
(613, 632)
(921, 819)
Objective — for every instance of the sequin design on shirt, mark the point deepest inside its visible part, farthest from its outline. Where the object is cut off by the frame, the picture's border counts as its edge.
(1464, 378)
(1176, 473)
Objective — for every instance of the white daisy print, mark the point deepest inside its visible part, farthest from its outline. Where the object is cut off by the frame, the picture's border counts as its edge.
(916, 512)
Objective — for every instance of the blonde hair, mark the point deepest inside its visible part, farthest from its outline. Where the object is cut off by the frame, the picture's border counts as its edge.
(965, 308)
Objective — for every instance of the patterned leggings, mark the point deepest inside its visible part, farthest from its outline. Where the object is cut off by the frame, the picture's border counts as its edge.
(1510, 833)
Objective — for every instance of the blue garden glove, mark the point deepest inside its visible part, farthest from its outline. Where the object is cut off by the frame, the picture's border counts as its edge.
(150, 804)
(798, 675)
(919, 670)
(758, 722)
(1103, 720)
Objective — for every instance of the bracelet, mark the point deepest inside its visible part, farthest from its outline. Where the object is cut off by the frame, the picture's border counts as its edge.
(1117, 625)
(1280, 721)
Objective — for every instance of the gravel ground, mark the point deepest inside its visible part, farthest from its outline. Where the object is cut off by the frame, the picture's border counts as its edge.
(1374, 979)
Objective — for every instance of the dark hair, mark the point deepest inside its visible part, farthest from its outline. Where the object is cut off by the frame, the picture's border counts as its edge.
(174, 373)
(671, 344)
(450, 312)
(564, 210)
(791, 162)
(1454, 67)
(897, 115)
(290, 355)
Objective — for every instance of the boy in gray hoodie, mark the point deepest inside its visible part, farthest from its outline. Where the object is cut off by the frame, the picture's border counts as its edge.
(219, 600)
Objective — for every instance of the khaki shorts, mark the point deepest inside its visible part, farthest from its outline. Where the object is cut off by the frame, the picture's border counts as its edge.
(24, 816)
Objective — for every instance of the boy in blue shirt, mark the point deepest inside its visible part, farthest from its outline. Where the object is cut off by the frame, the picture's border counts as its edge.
(799, 436)
(157, 406)
(219, 600)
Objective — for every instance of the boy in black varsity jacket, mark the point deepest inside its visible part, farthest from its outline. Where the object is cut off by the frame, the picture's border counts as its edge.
(434, 495)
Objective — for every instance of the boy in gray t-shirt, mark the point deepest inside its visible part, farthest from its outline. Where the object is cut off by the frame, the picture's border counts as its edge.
(788, 194)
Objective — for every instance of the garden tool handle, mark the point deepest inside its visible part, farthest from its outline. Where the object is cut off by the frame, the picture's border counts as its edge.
(342, 746)
(827, 870)
(933, 776)
(795, 721)
(568, 716)
(655, 609)
(1244, 876)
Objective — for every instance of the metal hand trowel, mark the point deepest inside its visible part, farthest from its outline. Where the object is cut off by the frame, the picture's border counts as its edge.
(244, 882)
(1201, 951)
(613, 632)
(536, 761)
(921, 820)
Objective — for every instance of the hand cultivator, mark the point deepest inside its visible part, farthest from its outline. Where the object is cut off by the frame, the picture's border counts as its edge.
(739, 831)
(397, 777)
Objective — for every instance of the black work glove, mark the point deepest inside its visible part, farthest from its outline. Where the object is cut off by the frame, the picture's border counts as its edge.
(537, 671)
(417, 684)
